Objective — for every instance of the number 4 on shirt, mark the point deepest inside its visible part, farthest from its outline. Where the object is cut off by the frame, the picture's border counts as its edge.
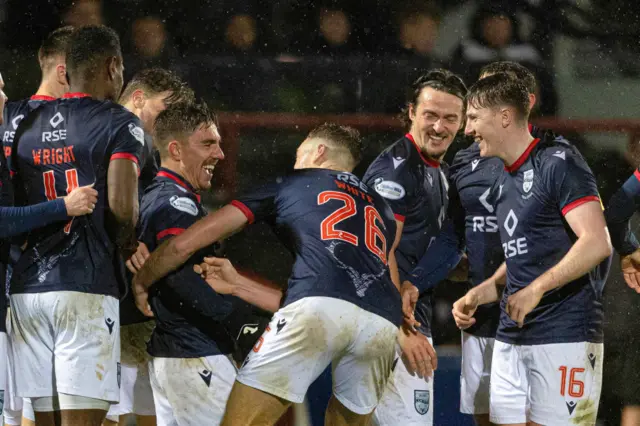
(373, 234)
(50, 187)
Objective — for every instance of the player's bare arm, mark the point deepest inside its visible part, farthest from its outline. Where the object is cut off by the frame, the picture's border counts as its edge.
(592, 247)
(393, 264)
(487, 292)
(175, 252)
(122, 183)
(223, 277)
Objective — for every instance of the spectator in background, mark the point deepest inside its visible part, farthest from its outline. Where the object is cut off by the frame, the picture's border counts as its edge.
(151, 47)
(241, 33)
(84, 12)
(494, 37)
(334, 32)
(418, 28)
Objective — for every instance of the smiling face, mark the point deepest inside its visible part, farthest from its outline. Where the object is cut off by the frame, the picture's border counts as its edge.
(199, 156)
(435, 120)
(484, 124)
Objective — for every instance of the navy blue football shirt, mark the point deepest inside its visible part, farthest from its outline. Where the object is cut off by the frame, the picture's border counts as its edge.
(471, 180)
(532, 196)
(340, 232)
(59, 146)
(187, 311)
(13, 113)
(416, 189)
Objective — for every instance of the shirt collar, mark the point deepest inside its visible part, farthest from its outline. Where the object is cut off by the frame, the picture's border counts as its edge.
(76, 95)
(42, 98)
(427, 161)
(170, 174)
(523, 157)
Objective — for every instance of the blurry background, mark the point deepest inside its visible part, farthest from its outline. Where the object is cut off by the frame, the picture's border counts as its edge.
(300, 59)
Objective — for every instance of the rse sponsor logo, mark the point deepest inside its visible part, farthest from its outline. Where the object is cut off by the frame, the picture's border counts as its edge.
(389, 189)
(352, 180)
(515, 247)
(485, 224)
(54, 136)
(184, 204)
(137, 133)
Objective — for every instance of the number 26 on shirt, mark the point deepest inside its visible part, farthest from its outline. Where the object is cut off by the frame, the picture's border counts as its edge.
(375, 240)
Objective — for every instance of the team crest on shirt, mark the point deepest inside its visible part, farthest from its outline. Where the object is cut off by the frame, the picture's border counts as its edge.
(421, 401)
(527, 180)
(184, 204)
(137, 133)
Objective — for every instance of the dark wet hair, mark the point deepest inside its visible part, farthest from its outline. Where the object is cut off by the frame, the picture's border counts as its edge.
(179, 121)
(513, 69)
(500, 89)
(343, 137)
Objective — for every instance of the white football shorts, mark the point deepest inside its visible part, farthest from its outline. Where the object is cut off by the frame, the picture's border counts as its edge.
(303, 338)
(550, 384)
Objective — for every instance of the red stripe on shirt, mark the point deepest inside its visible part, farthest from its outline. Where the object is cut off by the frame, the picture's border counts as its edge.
(126, 156)
(244, 209)
(42, 98)
(637, 174)
(399, 217)
(76, 95)
(523, 157)
(580, 201)
(169, 231)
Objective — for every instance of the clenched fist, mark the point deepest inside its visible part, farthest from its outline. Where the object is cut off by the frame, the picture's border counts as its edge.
(81, 201)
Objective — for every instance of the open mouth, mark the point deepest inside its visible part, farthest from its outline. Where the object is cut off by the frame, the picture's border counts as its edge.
(209, 169)
(437, 138)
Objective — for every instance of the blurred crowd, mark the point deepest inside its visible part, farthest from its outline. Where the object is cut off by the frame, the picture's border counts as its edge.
(324, 55)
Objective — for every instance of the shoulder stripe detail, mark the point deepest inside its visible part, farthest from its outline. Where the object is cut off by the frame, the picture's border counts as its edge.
(126, 156)
(244, 209)
(580, 201)
(169, 231)
(399, 217)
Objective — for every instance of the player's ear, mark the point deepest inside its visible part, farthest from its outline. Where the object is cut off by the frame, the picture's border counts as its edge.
(61, 74)
(506, 114)
(532, 100)
(138, 98)
(320, 154)
(112, 67)
(412, 112)
(173, 149)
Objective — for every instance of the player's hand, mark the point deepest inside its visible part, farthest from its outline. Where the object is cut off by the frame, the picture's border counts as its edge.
(81, 201)
(137, 259)
(410, 295)
(141, 295)
(219, 273)
(630, 265)
(417, 353)
(463, 310)
(522, 302)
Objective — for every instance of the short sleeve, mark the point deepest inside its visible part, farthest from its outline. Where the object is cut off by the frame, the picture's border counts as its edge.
(172, 218)
(390, 179)
(258, 205)
(129, 140)
(569, 180)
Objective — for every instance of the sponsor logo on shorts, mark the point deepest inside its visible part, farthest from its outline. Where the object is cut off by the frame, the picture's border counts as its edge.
(421, 401)
(281, 323)
(592, 360)
(206, 376)
(110, 324)
(571, 405)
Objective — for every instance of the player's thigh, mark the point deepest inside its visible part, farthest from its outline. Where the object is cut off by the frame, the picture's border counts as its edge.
(565, 380)
(475, 377)
(360, 374)
(339, 415)
(31, 343)
(297, 345)
(407, 398)
(87, 345)
(195, 390)
(509, 385)
(265, 408)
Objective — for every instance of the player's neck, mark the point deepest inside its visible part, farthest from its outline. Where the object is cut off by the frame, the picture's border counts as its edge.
(515, 144)
(50, 88)
(96, 91)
